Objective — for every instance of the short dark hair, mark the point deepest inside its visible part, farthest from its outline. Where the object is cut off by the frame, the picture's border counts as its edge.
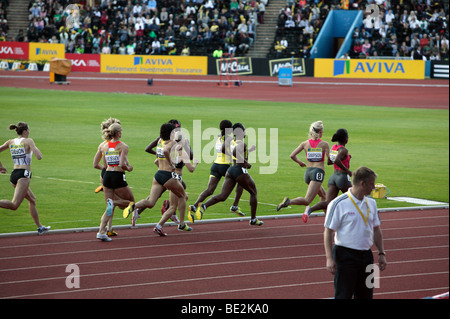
(340, 136)
(224, 125)
(362, 174)
(165, 131)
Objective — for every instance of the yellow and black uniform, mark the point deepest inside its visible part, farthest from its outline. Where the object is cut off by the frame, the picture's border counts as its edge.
(237, 169)
(223, 160)
(163, 176)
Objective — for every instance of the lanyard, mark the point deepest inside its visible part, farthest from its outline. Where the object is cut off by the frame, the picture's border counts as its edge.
(366, 218)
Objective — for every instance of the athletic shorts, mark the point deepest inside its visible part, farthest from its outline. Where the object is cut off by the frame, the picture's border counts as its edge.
(314, 174)
(340, 179)
(163, 176)
(18, 174)
(103, 172)
(219, 170)
(235, 171)
(114, 180)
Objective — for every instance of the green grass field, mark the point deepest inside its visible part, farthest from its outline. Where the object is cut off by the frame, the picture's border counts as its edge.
(408, 148)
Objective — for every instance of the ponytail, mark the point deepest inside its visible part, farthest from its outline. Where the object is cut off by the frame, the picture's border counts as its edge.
(20, 127)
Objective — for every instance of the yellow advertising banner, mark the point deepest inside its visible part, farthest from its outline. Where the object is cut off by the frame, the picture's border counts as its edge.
(373, 69)
(154, 64)
(46, 51)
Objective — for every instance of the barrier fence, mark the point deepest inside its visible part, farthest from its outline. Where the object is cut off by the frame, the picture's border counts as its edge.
(24, 53)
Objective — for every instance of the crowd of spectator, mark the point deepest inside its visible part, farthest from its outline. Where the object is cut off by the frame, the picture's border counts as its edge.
(403, 28)
(146, 26)
(415, 29)
(3, 19)
(298, 25)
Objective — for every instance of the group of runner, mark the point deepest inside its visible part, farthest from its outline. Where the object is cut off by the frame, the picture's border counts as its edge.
(173, 153)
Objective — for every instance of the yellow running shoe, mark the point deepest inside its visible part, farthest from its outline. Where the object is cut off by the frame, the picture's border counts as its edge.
(199, 212)
(99, 189)
(191, 216)
(256, 222)
(112, 233)
(237, 211)
(184, 228)
(127, 211)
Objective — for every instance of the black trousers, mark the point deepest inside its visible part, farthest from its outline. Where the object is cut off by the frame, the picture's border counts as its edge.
(350, 277)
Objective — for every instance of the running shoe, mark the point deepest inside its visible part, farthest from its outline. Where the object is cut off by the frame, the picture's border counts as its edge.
(165, 206)
(135, 217)
(159, 231)
(127, 211)
(111, 233)
(103, 237)
(43, 229)
(236, 210)
(306, 214)
(109, 207)
(174, 218)
(184, 228)
(256, 222)
(285, 203)
(191, 216)
(99, 189)
(199, 212)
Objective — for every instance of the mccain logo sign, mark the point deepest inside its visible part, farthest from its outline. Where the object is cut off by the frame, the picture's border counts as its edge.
(298, 66)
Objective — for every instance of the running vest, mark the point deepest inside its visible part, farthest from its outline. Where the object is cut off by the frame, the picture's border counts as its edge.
(160, 149)
(18, 153)
(221, 157)
(334, 153)
(234, 145)
(112, 156)
(314, 153)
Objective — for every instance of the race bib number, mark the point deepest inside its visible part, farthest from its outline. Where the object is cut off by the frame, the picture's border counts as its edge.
(314, 154)
(333, 155)
(176, 176)
(112, 158)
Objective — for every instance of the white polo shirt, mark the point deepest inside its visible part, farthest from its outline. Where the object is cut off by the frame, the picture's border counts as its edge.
(350, 228)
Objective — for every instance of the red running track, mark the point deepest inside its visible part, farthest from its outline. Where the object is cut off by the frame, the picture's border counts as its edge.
(283, 259)
(433, 94)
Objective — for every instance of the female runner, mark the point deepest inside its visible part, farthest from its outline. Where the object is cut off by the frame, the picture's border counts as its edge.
(115, 187)
(341, 178)
(238, 173)
(102, 166)
(315, 150)
(22, 149)
(165, 178)
(218, 170)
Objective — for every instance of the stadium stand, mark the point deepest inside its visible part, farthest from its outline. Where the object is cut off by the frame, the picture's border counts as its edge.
(3, 19)
(405, 28)
(148, 26)
(411, 29)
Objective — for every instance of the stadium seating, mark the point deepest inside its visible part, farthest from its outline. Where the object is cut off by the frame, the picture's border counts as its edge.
(406, 28)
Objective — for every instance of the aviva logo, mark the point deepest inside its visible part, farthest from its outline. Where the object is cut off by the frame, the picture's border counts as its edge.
(151, 61)
(46, 52)
(341, 67)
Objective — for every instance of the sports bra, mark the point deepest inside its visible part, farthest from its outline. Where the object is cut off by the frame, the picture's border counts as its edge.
(234, 145)
(18, 153)
(160, 149)
(112, 156)
(314, 153)
(221, 157)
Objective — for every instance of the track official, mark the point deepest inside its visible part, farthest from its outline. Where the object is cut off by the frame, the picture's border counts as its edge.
(353, 218)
